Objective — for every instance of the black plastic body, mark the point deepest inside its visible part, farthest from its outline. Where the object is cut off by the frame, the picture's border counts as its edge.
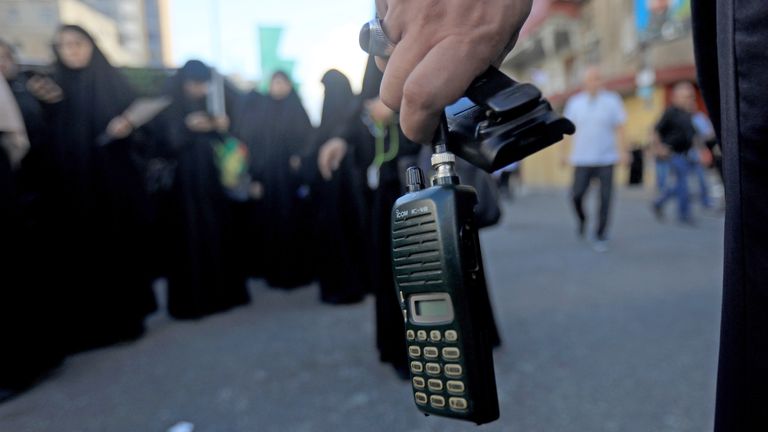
(500, 121)
(436, 249)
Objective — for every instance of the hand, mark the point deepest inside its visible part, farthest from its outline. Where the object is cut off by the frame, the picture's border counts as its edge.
(256, 190)
(45, 89)
(379, 112)
(441, 46)
(199, 122)
(221, 123)
(625, 159)
(330, 156)
(119, 127)
(16, 146)
(662, 151)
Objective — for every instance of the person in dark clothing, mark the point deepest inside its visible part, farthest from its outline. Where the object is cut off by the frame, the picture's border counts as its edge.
(32, 171)
(277, 130)
(98, 214)
(252, 214)
(675, 132)
(338, 203)
(28, 324)
(730, 39)
(203, 275)
(376, 141)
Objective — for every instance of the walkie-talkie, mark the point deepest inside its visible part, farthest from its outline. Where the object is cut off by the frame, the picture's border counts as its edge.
(439, 276)
(436, 258)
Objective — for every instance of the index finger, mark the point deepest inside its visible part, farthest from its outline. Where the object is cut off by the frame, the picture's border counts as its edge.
(438, 80)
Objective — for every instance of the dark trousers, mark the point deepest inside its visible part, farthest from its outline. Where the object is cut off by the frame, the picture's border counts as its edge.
(582, 178)
(730, 39)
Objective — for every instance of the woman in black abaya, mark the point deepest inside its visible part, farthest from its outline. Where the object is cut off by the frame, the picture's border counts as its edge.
(277, 130)
(338, 203)
(377, 147)
(203, 275)
(28, 306)
(99, 217)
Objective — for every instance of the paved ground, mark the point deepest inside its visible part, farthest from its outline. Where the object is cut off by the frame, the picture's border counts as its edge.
(624, 341)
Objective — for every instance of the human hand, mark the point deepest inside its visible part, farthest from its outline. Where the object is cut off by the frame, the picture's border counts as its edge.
(119, 127)
(16, 146)
(379, 112)
(662, 151)
(45, 89)
(199, 121)
(440, 47)
(221, 123)
(330, 156)
(625, 159)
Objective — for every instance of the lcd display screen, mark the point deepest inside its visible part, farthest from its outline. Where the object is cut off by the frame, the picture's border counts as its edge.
(433, 308)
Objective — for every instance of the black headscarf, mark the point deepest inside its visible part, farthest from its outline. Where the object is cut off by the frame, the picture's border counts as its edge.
(93, 96)
(195, 71)
(293, 126)
(273, 129)
(337, 105)
(97, 93)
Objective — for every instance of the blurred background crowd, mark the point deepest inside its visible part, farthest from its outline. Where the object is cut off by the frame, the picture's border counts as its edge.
(118, 170)
(201, 185)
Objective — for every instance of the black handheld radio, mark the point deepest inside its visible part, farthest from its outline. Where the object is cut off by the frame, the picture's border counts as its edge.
(436, 255)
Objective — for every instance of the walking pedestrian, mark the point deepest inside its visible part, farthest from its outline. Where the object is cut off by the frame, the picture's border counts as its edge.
(675, 136)
(599, 118)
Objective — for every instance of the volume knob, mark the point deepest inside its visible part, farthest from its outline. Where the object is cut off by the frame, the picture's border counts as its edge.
(414, 179)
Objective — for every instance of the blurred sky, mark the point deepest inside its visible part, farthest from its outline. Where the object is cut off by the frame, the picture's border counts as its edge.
(319, 35)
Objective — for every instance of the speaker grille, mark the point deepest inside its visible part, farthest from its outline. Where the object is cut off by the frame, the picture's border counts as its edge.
(416, 252)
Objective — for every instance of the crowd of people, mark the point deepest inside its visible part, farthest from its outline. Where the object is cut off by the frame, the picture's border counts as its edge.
(100, 198)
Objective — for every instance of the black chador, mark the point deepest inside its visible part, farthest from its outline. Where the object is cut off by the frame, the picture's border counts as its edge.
(339, 204)
(28, 306)
(203, 275)
(99, 209)
(379, 149)
(277, 130)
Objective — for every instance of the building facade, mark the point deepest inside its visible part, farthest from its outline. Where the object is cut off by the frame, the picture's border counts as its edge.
(641, 51)
(157, 24)
(130, 32)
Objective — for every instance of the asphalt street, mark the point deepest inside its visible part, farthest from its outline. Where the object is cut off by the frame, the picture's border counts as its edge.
(619, 341)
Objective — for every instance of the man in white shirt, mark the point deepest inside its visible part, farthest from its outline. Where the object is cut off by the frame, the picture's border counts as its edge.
(599, 117)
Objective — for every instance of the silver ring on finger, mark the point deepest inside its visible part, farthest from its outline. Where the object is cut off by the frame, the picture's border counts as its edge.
(374, 41)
